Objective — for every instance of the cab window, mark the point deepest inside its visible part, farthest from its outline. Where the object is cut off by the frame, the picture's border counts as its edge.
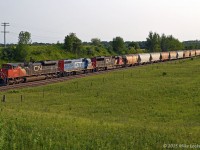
(6, 67)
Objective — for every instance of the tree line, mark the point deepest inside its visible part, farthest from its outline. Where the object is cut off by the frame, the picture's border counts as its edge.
(154, 43)
(157, 43)
(72, 44)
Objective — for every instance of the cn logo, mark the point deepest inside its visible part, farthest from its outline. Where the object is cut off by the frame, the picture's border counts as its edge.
(108, 61)
(37, 68)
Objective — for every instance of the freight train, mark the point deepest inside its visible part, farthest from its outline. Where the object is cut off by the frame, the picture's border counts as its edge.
(15, 73)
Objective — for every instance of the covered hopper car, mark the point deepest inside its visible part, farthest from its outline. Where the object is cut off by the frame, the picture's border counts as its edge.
(144, 58)
(180, 54)
(164, 56)
(192, 53)
(130, 60)
(155, 57)
(173, 55)
(186, 54)
(197, 52)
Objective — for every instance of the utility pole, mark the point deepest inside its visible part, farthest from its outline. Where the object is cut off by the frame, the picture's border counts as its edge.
(5, 25)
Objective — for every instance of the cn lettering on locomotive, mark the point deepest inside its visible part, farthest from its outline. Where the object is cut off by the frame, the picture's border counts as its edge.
(37, 68)
(108, 61)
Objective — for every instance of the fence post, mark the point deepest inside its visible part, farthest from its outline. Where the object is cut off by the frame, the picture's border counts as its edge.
(4, 98)
(21, 98)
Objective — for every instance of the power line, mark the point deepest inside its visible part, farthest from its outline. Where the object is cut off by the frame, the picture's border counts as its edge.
(5, 25)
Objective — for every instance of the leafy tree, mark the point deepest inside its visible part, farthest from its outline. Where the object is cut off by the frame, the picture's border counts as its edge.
(21, 52)
(22, 47)
(8, 53)
(24, 38)
(72, 43)
(153, 42)
(164, 43)
(191, 44)
(134, 45)
(142, 44)
(169, 43)
(96, 42)
(119, 45)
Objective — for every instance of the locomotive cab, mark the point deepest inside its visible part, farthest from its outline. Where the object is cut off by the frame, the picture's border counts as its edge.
(10, 73)
(4, 73)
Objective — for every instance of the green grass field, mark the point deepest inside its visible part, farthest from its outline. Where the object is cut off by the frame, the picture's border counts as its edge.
(140, 108)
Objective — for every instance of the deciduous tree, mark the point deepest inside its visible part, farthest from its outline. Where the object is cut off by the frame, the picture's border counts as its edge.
(72, 43)
(22, 48)
(153, 42)
(118, 45)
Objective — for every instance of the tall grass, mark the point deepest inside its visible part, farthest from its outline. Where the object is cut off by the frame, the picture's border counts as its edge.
(133, 109)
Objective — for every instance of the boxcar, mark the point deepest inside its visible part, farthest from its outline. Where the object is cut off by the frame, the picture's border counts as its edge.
(173, 55)
(155, 57)
(192, 53)
(130, 60)
(164, 56)
(144, 58)
(186, 54)
(179, 54)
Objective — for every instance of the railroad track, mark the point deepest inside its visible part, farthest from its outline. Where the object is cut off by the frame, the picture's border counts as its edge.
(54, 80)
(62, 79)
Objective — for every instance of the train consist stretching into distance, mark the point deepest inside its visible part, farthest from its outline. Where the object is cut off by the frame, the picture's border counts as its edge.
(14, 73)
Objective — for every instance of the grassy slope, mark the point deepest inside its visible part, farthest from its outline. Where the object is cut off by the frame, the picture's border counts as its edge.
(56, 52)
(46, 53)
(141, 110)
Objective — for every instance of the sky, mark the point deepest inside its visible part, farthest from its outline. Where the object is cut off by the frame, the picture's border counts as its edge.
(50, 21)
